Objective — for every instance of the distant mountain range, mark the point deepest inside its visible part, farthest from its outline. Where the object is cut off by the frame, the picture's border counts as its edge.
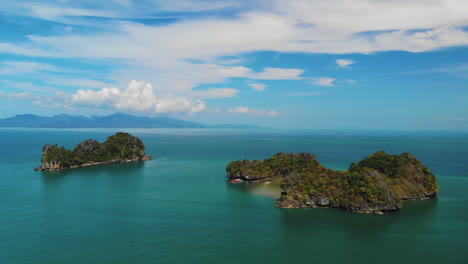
(111, 121)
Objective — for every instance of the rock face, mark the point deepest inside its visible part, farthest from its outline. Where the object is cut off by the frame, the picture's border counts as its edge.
(121, 147)
(377, 184)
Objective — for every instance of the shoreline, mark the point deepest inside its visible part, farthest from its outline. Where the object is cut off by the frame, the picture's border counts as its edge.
(59, 168)
(266, 187)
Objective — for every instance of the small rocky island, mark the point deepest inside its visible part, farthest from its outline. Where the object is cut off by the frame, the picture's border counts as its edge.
(121, 147)
(377, 184)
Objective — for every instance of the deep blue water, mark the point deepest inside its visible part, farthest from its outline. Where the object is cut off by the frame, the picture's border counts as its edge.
(178, 207)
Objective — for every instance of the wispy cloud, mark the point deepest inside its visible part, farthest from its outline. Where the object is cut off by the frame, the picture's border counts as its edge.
(16, 96)
(323, 81)
(28, 86)
(254, 112)
(277, 74)
(343, 62)
(179, 55)
(72, 82)
(261, 87)
(195, 6)
(215, 93)
(19, 67)
(459, 69)
(59, 99)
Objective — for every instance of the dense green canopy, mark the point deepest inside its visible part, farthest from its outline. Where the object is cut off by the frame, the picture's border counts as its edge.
(378, 183)
(121, 146)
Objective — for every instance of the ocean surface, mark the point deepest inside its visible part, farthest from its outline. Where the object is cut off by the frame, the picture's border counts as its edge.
(178, 208)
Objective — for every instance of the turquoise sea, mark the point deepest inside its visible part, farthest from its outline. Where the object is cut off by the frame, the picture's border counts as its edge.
(178, 207)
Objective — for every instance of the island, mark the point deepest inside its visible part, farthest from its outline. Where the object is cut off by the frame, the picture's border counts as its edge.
(377, 184)
(121, 147)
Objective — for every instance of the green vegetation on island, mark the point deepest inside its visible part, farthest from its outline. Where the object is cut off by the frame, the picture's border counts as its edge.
(121, 147)
(377, 184)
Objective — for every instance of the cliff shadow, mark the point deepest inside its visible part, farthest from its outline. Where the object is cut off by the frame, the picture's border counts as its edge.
(116, 169)
(364, 227)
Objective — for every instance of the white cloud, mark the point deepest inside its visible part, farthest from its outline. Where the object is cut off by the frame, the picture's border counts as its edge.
(216, 93)
(27, 86)
(96, 98)
(212, 38)
(182, 77)
(460, 70)
(73, 82)
(16, 96)
(55, 12)
(194, 6)
(181, 105)
(278, 74)
(15, 67)
(347, 17)
(58, 100)
(261, 87)
(323, 81)
(164, 54)
(137, 97)
(343, 62)
(351, 81)
(254, 112)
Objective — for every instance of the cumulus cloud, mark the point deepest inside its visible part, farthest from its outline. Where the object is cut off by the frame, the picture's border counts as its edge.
(323, 81)
(165, 53)
(96, 98)
(261, 87)
(343, 62)
(139, 96)
(170, 104)
(185, 53)
(254, 112)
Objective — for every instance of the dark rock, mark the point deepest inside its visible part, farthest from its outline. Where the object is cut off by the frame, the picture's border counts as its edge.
(322, 201)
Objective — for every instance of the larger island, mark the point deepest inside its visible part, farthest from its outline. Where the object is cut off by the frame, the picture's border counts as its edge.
(121, 147)
(377, 184)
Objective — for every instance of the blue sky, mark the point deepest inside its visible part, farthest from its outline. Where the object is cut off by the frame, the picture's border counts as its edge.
(362, 64)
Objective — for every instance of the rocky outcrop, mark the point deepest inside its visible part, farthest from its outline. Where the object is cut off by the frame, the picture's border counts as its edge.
(280, 165)
(377, 184)
(121, 147)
